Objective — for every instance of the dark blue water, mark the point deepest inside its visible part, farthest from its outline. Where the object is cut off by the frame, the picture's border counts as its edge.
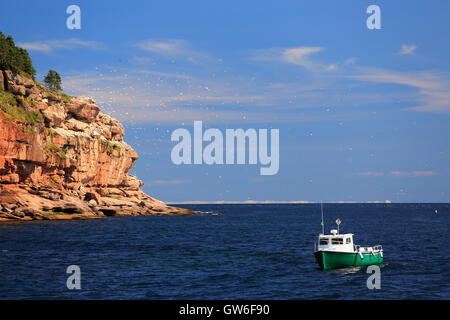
(245, 251)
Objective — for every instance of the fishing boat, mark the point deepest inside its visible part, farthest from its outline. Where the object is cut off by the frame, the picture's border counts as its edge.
(335, 250)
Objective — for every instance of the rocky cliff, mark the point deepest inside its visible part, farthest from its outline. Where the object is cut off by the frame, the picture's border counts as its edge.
(61, 158)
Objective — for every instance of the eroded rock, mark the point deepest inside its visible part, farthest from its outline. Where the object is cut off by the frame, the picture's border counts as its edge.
(68, 163)
(55, 114)
(83, 108)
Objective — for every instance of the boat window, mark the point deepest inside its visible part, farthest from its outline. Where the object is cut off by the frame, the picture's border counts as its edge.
(337, 241)
(348, 240)
(323, 241)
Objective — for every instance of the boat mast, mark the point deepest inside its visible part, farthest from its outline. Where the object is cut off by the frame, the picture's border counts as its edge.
(321, 210)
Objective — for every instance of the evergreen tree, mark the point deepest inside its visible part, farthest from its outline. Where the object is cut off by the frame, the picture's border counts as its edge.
(14, 58)
(53, 80)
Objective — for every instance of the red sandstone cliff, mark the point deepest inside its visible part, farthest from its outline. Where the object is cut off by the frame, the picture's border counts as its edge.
(60, 158)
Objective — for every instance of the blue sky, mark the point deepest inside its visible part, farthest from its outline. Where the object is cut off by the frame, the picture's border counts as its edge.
(363, 114)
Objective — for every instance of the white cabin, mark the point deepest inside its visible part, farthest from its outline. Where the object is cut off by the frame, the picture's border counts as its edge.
(335, 242)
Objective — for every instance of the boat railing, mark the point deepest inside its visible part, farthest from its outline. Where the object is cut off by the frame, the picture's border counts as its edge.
(376, 248)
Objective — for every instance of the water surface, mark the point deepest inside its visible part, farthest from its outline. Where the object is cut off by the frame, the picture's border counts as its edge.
(229, 252)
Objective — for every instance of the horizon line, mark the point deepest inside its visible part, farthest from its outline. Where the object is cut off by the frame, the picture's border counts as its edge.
(296, 202)
(271, 202)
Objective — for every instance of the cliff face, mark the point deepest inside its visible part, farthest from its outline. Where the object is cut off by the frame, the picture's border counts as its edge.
(61, 158)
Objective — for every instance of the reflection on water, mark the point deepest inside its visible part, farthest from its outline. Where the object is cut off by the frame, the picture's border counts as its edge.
(344, 271)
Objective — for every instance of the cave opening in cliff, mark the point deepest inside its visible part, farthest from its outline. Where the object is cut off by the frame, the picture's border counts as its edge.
(108, 212)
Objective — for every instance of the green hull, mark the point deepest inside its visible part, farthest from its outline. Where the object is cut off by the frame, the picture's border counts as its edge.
(334, 260)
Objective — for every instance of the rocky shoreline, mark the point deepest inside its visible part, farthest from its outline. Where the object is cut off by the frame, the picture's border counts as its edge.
(61, 158)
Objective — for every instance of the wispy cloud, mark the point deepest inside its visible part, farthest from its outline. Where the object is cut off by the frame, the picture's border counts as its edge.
(183, 94)
(370, 174)
(147, 88)
(135, 95)
(350, 61)
(165, 97)
(171, 48)
(424, 173)
(408, 49)
(300, 56)
(332, 67)
(433, 88)
(414, 173)
(398, 174)
(48, 46)
(168, 182)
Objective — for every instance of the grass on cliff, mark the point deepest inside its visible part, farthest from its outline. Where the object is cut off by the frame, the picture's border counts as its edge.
(51, 132)
(111, 148)
(62, 95)
(53, 181)
(12, 110)
(54, 149)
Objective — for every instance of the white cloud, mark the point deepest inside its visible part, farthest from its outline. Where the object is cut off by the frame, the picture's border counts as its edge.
(414, 173)
(332, 67)
(143, 60)
(424, 173)
(371, 174)
(144, 95)
(48, 46)
(164, 97)
(350, 61)
(398, 174)
(407, 49)
(171, 48)
(168, 182)
(152, 94)
(433, 88)
(149, 88)
(300, 56)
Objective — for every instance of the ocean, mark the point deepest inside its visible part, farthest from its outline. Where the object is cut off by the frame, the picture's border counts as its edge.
(257, 251)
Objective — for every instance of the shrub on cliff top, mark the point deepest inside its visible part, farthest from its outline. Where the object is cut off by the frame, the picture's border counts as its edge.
(14, 58)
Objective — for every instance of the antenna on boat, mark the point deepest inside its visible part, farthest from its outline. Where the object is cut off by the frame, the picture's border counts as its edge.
(321, 210)
(338, 222)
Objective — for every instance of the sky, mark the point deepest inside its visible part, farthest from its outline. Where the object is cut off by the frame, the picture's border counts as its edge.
(362, 114)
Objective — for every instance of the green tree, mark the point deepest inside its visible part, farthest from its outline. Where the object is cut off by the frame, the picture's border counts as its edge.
(53, 80)
(14, 58)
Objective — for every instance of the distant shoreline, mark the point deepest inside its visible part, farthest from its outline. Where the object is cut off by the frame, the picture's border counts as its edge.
(296, 202)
